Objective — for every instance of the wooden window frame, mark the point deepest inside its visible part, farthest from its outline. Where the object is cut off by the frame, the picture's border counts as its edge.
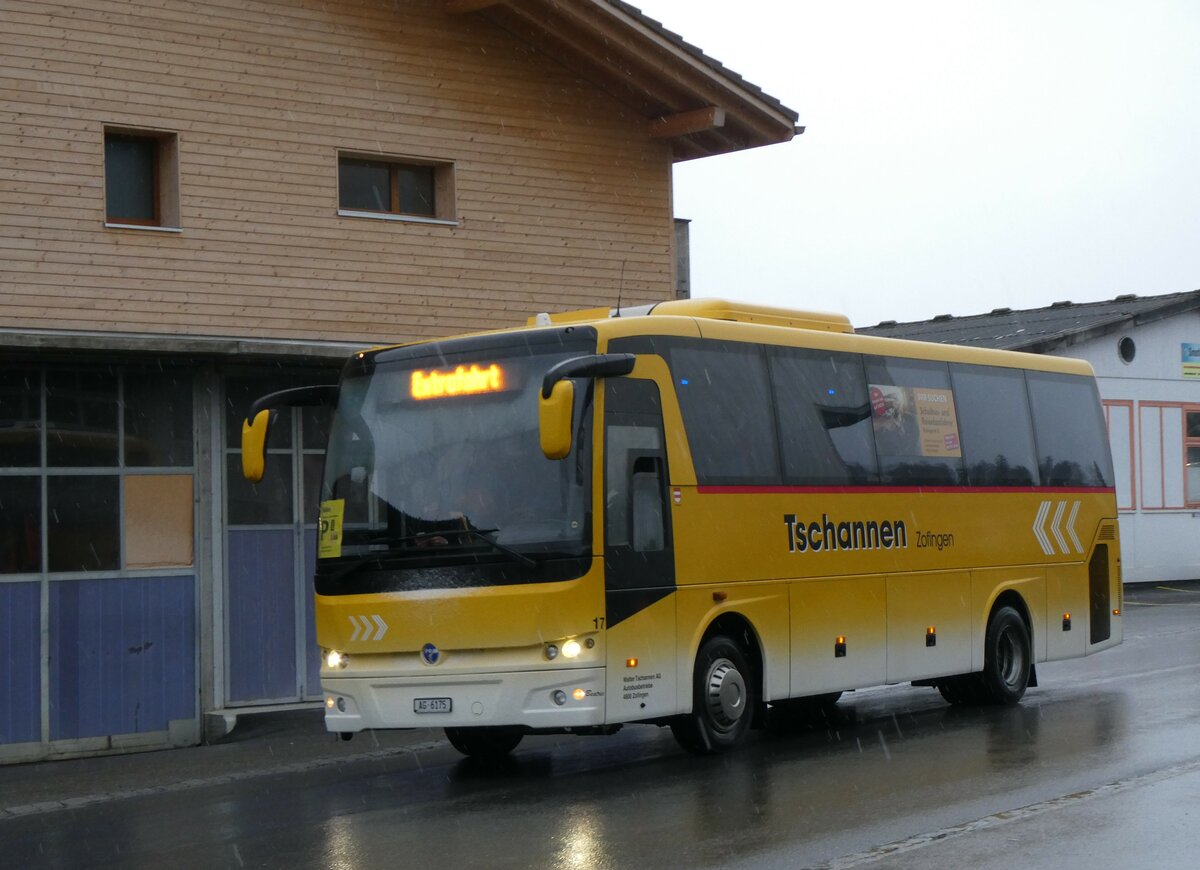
(165, 180)
(443, 188)
(1189, 499)
(1134, 451)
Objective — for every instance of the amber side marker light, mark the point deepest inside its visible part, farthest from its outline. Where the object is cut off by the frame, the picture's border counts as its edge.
(631, 663)
(931, 636)
(1066, 622)
(1116, 611)
(839, 647)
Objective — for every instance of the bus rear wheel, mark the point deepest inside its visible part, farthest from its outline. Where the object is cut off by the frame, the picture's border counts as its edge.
(723, 699)
(1007, 664)
(1007, 657)
(485, 743)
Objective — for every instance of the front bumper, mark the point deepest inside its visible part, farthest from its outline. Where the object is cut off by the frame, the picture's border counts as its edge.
(511, 698)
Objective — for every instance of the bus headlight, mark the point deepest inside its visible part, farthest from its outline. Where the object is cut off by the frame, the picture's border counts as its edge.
(570, 649)
(335, 659)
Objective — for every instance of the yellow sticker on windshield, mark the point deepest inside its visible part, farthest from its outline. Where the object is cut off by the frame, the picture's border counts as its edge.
(329, 534)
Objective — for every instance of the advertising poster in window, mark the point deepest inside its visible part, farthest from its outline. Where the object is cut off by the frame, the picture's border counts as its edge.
(914, 421)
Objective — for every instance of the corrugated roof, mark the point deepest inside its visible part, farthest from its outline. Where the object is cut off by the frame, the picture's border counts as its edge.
(1037, 330)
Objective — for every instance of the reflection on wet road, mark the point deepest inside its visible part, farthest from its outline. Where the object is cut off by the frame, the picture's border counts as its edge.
(894, 777)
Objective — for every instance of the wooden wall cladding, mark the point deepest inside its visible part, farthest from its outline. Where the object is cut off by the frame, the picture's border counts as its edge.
(562, 200)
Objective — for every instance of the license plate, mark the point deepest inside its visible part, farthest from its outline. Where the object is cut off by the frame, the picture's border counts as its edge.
(432, 705)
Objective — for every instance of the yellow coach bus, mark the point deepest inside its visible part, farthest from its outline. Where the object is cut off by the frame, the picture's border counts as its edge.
(684, 513)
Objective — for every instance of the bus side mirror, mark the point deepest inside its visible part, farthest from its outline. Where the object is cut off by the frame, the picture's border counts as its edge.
(256, 427)
(254, 445)
(555, 418)
(556, 401)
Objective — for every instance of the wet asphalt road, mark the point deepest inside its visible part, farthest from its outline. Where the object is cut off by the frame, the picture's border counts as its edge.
(1098, 767)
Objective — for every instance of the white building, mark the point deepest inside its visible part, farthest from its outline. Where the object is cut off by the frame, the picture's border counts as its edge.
(1146, 353)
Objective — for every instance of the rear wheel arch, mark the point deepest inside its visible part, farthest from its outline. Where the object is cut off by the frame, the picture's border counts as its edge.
(1012, 598)
(1007, 667)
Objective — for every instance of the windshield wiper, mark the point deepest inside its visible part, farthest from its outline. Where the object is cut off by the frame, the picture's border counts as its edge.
(476, 534)
(482, 535)
(354, 567)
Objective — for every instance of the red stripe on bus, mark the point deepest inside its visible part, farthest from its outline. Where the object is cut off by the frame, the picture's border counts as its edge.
(851, 490)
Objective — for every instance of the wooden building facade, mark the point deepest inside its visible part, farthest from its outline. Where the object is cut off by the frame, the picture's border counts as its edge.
(203, 201)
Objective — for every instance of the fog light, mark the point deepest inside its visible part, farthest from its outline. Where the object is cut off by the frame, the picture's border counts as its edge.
(579, 694)
(341, 705)
(571, 649)
(334, 659)
(329, 702)
(559, 697)
(551, 651)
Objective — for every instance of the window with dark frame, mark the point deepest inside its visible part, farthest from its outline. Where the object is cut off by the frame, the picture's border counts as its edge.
(915, 419)
(394, 187)
(996, 425)
(824, 418)
(725, 398)
(95, 453)
(131, 170)
(1069, 430)
(140, 179)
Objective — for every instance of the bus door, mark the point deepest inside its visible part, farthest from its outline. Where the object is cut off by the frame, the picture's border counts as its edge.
(639, 560)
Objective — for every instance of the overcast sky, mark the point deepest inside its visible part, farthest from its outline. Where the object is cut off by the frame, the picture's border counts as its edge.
(959, 156)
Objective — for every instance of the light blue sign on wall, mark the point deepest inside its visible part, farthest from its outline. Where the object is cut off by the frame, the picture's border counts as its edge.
(1190, 358)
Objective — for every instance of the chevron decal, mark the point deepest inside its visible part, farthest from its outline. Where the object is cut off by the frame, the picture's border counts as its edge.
(370, 627)
(1042, 530)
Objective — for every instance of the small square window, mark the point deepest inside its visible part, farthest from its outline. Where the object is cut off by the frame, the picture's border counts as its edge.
(141, 172)
(395, 187)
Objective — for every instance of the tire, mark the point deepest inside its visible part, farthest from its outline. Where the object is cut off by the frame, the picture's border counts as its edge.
(487, 744)
(1007, 665)
(724, 693)
(1007, 658)
(962, 691)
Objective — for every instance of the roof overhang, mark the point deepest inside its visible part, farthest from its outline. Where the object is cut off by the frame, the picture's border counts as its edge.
(686, 97)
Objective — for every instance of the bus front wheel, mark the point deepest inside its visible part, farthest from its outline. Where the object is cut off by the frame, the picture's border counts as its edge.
(484, 743)
(723, 699)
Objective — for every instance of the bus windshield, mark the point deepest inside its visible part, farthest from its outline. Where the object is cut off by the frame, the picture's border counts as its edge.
(436, 461)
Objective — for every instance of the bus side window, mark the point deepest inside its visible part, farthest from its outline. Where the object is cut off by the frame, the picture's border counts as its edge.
(634, 466)
(646, 520)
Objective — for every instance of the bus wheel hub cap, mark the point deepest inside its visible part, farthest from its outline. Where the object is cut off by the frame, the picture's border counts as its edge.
(726, 693)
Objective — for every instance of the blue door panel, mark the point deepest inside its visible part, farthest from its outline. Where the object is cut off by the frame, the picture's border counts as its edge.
(312, 655)
(122, 655)
(262, 616)
(20, 669)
